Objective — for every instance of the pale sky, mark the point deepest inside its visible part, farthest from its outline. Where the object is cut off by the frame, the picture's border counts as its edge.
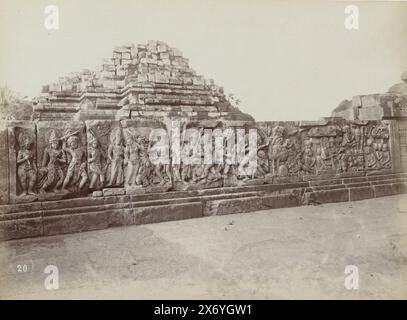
(291, 60)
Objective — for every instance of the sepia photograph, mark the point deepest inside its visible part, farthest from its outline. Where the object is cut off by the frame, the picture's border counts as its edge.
(204, 151)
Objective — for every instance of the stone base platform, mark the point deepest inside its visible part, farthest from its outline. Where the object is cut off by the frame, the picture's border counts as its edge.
(93, 213)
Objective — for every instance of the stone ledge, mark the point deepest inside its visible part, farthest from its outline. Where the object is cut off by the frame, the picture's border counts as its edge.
(229, 206)
(21, 228)
(114, 211)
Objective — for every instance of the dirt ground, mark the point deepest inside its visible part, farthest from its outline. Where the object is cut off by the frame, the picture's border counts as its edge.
(276, 254)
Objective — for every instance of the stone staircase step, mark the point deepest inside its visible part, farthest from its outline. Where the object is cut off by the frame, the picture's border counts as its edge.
(94, 213)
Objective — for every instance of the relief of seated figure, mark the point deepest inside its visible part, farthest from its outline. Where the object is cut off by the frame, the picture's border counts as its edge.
(370, 155)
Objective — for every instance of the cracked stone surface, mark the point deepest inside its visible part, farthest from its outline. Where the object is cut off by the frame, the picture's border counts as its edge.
(276, 254)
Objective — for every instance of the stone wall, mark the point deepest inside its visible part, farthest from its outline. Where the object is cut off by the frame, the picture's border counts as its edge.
(129, 143)
(71, 159)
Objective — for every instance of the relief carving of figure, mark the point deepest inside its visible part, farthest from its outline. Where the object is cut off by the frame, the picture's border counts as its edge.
(116, 158)
(378, 152)
(326, 154)
(358, 134)
(370, 155)
(95, 164)
(348, 139)
(380, 131)
(277, 150)
(53, 160)
(186, 170)
(214, 173)
(262, 164)
(76, 175)
(145, 174)
(176, 172)
(308, 159)
(385, 159)
(345, 152)
(132, 158)
(26, 164)
(162, 169)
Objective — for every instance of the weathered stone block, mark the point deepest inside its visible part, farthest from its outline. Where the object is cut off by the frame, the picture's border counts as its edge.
(283, 200)
(325, 182)
(20, 228)
(62, 224)
(167, 213)
(75, 223)
(328, 196)
(123, 217)
(21, 207)
(71, 203)
(28, 228)
(230, 206)
(9, 230)
(95, 220)
(383, 190)
(399, 188)
(354, 180)
(329, 187)
(113, 192)
(360, 193)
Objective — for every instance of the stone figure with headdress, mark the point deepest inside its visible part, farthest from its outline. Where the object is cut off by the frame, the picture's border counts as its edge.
(95, 155)
(115, 155)
(76, 175)
(53, 160)
(26, 164)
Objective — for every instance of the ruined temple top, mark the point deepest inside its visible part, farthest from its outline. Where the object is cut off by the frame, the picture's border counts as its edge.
(138, 81)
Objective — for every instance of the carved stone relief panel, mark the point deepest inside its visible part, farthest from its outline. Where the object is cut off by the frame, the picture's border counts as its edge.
(62, 159)
(105, 154)
(147, 163)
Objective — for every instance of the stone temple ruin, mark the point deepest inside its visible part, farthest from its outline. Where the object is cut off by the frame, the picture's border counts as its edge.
(83, 162)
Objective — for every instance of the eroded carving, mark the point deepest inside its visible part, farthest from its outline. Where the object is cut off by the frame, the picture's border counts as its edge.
(54, 158)
(120, 155)
(115, 155)
(62, 160)
(26, 164)
(76, 175)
